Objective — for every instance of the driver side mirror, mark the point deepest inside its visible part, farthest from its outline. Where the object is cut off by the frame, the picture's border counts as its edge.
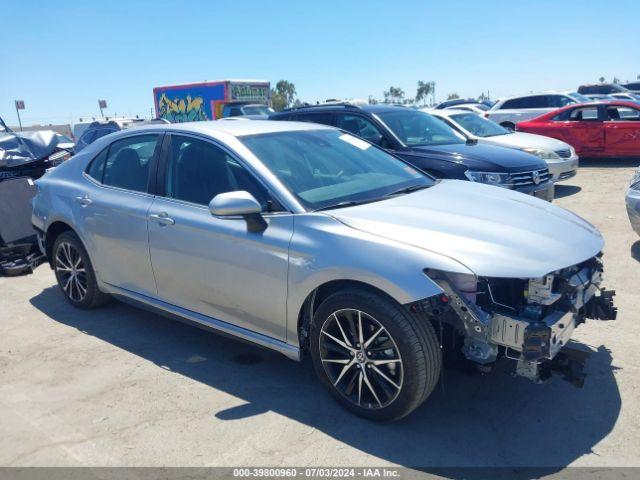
(239, 203)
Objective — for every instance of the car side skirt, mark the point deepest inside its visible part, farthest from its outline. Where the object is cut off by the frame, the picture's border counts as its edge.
(202, 321)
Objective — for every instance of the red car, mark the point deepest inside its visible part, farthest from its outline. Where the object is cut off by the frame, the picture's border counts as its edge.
(598, 129)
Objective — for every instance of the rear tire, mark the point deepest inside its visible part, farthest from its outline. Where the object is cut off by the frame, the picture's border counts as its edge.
(385, 363)
(74, 272)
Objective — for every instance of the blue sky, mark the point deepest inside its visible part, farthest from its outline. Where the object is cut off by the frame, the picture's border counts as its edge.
(64, 55)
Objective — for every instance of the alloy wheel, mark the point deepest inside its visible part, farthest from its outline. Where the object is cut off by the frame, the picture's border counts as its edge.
(71, 271)
(361, 359)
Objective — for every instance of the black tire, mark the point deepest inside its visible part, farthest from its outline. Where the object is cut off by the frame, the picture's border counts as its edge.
(509, 126)
(414, 339)
(72, 290)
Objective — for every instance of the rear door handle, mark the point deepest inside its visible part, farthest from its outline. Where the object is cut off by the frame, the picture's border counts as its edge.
(162, 218)
(84, 201)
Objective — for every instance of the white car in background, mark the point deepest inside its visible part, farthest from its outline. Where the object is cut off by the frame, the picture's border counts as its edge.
(560, 156)
(509, 111)
(478, 108)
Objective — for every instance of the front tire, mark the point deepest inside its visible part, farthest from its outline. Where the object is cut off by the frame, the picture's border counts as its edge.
(74, 272)
(373, 356)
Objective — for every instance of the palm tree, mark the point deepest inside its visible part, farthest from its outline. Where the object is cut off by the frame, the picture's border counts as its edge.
(423, 91)
(601, 79)
(393, 95)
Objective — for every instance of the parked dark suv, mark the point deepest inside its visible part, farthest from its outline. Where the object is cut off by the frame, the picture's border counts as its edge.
(432, 146)
(601, 89)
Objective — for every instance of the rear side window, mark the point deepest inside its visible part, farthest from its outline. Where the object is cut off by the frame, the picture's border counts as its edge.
(127, 163)
(96, 167)
(322, 118)
(536, 101)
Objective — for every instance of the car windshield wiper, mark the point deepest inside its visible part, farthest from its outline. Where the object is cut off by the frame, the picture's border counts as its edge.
(412, 188)
(349, 203)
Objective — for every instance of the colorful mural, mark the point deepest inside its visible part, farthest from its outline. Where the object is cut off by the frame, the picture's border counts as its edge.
(181, 109)
(204, 101)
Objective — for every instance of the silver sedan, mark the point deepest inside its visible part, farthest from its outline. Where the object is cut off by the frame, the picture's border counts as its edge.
(307, 240)
(561, 157)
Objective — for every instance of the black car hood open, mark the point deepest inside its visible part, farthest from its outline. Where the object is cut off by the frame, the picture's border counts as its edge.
(18, 149)
(483, 157)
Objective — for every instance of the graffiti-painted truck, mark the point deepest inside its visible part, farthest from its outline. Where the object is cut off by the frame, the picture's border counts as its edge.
(212, 100)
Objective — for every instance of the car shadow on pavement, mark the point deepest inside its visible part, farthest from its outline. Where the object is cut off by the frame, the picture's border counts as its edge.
(635, 250)
(469, 420)
(566, 190)
(609, 162)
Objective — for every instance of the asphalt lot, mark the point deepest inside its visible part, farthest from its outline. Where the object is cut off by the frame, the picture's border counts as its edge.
(119, 386)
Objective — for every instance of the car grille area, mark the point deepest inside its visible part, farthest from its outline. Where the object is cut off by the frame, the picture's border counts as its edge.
(534, 177)
(564, 153)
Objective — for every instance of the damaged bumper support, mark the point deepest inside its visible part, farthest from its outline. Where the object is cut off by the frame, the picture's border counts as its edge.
(534, 333)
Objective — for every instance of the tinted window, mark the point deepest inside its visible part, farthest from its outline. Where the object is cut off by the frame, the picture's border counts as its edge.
(199, 170)
(235, 112)
(326, 167)
(359, 126)
(416, 128)
(323, 118)
(558, 101)
(88, 136)
(127, 164)
(102, 132)
(536, 101)
(96, 167)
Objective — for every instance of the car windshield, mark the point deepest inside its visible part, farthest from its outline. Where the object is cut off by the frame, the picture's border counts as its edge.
(479, 126)
(416, 128)
(256, 110)
(327, 168)
(579, 97)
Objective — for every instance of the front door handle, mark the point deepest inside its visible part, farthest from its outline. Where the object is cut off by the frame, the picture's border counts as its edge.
(84, 201)
(162, 218)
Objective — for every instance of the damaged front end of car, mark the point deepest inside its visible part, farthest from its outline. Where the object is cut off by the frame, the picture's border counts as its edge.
(529, 321)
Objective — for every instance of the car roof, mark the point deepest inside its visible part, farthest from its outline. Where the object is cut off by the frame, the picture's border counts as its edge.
(549, 92)
(236, 128)
(324, 107)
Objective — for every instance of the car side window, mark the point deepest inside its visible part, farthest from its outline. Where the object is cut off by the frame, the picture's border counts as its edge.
(199, 170)
(361, 127)
(583, 114)
(622, 114)
(322, 118)
(96, 168)
(537, 101)
(127, 163)
(558, 101)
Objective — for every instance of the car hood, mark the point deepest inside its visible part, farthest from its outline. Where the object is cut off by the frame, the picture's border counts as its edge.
(494, 232)
(525, 140)
(21, 148)
(485, 158)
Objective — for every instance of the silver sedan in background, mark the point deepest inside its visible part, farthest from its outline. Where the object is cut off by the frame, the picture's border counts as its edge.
(307, 240)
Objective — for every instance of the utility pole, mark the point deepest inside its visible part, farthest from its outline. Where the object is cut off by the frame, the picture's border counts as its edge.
(19, 106)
